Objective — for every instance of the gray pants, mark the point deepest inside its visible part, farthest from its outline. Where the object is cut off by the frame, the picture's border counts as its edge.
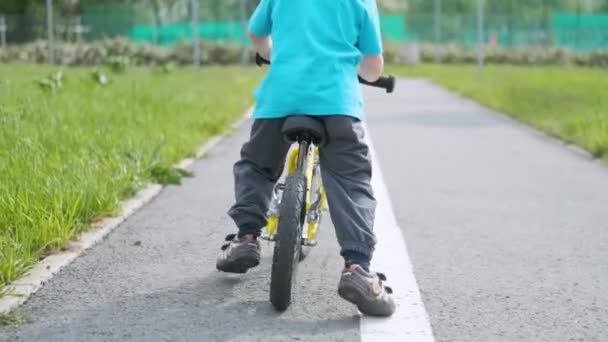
(345, 169)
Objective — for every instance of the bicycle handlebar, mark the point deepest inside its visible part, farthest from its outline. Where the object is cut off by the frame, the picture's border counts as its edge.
(384, 82)
(259, 60)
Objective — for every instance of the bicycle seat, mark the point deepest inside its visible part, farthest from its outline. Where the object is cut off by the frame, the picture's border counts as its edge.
(299, 125)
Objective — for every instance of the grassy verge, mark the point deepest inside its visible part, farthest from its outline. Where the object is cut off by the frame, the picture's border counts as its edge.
(69, 154)
(569, 103)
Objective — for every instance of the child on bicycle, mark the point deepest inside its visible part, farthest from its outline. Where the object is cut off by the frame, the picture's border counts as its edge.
(317, 49)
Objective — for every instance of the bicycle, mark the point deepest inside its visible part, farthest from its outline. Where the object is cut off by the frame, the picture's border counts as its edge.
(299, 200)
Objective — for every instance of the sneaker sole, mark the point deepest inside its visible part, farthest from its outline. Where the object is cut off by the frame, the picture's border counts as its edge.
(354, 293)
(240, 264)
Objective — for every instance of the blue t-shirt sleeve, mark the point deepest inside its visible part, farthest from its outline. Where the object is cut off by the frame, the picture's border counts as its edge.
(260, 23)
(370, 39)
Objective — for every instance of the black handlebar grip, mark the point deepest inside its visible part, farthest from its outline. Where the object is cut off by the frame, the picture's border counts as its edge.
(259, 60)
(385, 82)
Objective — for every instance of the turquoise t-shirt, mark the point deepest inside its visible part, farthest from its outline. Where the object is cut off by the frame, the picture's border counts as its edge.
(317, 45)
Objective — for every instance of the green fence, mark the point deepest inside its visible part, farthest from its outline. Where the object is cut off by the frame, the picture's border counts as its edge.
(108, 20)
(462, 29)
(225, 32)
(583, 32)
(393, 28)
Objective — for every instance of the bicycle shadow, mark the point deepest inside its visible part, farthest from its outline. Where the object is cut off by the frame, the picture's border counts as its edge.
(216, 307)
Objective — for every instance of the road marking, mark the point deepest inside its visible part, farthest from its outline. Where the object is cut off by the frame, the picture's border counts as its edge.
(410, 322)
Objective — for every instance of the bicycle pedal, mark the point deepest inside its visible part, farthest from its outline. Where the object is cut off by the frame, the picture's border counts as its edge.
(309, 243)
(268, 238)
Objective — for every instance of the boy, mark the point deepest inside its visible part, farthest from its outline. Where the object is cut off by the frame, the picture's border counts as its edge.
(317, 48)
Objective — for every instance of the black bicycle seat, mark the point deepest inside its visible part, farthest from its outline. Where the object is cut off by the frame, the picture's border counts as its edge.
(299, 125)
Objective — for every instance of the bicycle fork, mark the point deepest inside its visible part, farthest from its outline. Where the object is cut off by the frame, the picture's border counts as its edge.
(312, 212)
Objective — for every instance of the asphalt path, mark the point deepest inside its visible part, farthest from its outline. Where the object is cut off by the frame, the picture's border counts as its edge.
(507, 229)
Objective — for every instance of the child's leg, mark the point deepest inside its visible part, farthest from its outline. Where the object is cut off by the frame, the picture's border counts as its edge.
(260, 166)
(346, 170)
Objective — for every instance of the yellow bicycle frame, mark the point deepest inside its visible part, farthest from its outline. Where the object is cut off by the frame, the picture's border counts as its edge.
(291, 164)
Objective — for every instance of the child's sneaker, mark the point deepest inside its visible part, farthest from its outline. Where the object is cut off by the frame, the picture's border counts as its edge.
(238, 254)
(366, 291)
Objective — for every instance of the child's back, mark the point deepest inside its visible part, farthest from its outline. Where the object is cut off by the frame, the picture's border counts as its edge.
(317, 45)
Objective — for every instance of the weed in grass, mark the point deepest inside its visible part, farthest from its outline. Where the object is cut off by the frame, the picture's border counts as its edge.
(52, 82)
(100, 77)
(168, 175)
(168, 67)
(13, 318)
(118, 64)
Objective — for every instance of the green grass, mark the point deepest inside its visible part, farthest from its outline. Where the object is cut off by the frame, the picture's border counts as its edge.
(13, 318)
(569, 103)
(69, 155)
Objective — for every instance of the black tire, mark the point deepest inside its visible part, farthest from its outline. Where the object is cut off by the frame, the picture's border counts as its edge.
(303, 252)
(288, 244)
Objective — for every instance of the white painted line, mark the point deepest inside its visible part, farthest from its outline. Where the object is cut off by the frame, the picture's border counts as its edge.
(21, 289)
(410, 322)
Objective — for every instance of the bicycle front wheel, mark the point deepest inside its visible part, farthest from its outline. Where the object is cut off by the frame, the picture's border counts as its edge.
(287, 247)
